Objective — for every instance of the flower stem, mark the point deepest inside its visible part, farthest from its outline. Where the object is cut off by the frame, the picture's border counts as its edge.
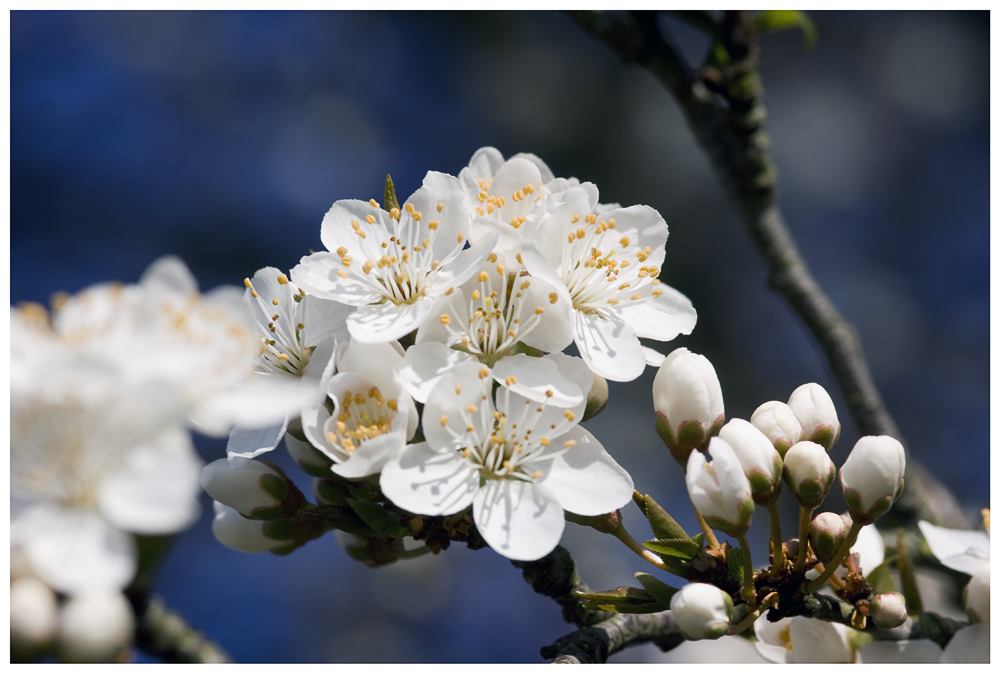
(768, 601)
(413, 553)
(776, 544)
(749, 593)
(845, 549)
(709, 533)
(630, 542)
(805, 517)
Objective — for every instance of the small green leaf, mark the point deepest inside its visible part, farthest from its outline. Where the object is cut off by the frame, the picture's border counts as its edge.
(380, 519)
(663, 525)
(699, 539)
(390, 195)
(685, 549)
(880, 579)
(617, 594)
(661, 591)
(781, 19)
(622, 600)
(734, 559)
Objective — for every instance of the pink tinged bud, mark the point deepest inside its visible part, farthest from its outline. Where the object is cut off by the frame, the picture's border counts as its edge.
(702, 611)
(872, 477)
(814, 410)
(719, 489)
(95, 626)
(688, 402)
(826, 534)
(809, 473)
(761, 463)
(33, 617)
(977, 595)
(888, 611)
(257, 490)
(778, 423)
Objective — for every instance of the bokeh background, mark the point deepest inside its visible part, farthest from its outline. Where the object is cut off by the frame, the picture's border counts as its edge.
(224, 138)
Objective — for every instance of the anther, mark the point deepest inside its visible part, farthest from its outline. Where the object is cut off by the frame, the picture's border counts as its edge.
(444, 420)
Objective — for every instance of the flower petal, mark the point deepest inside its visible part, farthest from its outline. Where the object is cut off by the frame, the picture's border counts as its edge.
(460, 400)
(385, 321)
(962, 550)
(424, 481)
(609, 346)
(249, 442)
(653, 358)
(538, 379)
(661, 317)
(424, 365)
(586, 479)
(371, 456)
(464, 265)
(915, 651)
(969, 645)
(521, 520)
(317, 275)
(255, 402)
(815, 641)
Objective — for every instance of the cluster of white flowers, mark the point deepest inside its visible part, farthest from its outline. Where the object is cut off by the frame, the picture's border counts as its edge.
(486, 278)
(102, 390)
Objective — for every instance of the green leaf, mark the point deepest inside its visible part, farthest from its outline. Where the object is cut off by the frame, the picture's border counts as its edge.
(908, 578)
(880, 579)
(663, 525)
(734, 559)
(781, 19)
(661, 591)
(379, 518)
(685, 549)
(390, 195)
(699, 539)
(622, 600)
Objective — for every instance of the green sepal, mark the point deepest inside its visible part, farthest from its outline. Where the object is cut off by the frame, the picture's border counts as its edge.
(684, 550)
(379, 518)
(275, 486)
(691, 434)
(285, 550)
(663, 525)
(339, 518)
(390, 194)
(661, 591)
(331, 491)
(622, 600)
(781, 19)
(880, 579)
(279, 529)
(734, 559)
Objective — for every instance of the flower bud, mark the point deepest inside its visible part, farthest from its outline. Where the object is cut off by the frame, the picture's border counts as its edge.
(311, 461)
(872, 477)
(597, 399)
(259, 490)
(809, 473)
(778, 423)
(95, 626)
(371, 551)
(719, 489)
(760, 461)
(977, 595)
(826, 534)
(688, 401)
(33, 613)
(815, 411)
(239, 533)
(702, 611)
(888, 611)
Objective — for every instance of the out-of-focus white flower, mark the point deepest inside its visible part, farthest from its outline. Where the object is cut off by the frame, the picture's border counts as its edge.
(803, 640)
(872, 477)
(917, 651)
(95, 625)
(888, 610)
(372, 417)
(809, 473)
(606, 267)
(778, 422)
(719, 489)
(977, 595)
(33, 617)
(702, 611)
(687, 397)
(961, 550)
(969, 645)
(394, 266)
(519, 464)
(761, 462)
(239, 533)
(815, 411)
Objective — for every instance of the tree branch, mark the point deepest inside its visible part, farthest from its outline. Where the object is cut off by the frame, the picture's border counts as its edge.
(725, 110)
(164, 633)
(555, 576)
(593, 645)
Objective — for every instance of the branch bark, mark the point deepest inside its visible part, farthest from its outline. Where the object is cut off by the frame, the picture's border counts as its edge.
(725, 109)
(555, 576)
(165, 634)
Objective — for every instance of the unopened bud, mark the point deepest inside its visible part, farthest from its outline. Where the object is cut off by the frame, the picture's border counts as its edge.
(977, 595)
(597, 398)
(312, 461)
(259, 490)
(888, 611)
(814, 410)
(96, 625)
(826, 534)
(371, 551)
(719, 489)
(688, 402)
(702, 611)
(241, 534)
(761, 463)
(778, 423)
(809, 473)
(33, 617)
(872, 477)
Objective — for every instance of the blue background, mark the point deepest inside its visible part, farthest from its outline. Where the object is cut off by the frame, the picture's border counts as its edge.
(224, 137)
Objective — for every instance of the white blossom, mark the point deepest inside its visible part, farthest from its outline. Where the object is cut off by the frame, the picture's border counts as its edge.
(719, 489)
(760, 461)
(518, 464)
(809, 473)
(702, 611)
(803, 640)
(687, 398)
(778, 422)
(239, 533)
(815, 411)
(33, 617)
(95, 625)
(872, 477)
